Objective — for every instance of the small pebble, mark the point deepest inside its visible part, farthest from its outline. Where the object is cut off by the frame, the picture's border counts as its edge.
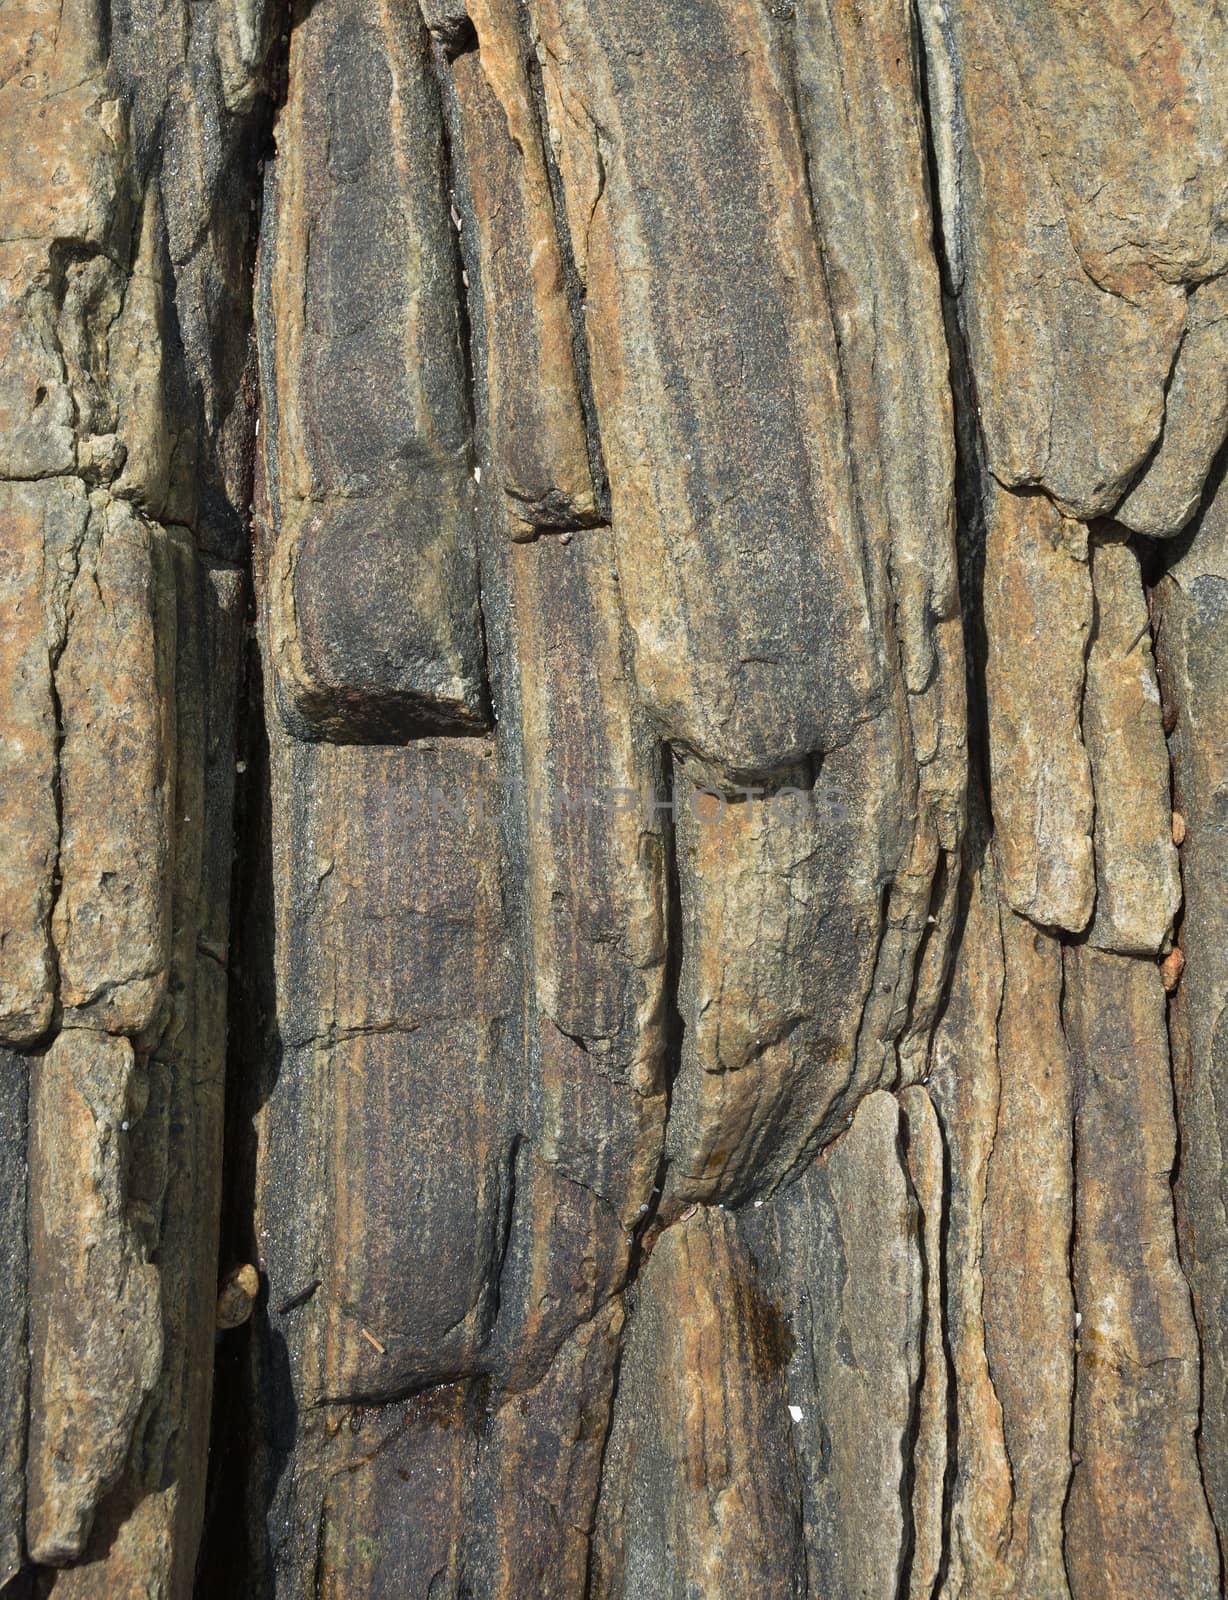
(237, 1296)
(1178, 828)
(1171, 969)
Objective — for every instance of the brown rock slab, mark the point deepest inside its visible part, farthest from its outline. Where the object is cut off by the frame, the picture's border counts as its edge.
(699, 1489)
(1137, 1521)
(95, 1311)
(965, 1083)
(1192, 609)
(1138, 886)
(926, 1170)
(116, 684)
(1071, 241)
(1170, 488)
(536, 423)
(1027, 1303)
(14, 1350)
(41, 521)
(1038, 615)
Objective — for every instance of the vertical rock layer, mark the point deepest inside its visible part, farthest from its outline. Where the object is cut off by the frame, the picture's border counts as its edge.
(670, 562)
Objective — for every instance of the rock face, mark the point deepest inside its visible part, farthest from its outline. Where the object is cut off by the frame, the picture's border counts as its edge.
(666, 568)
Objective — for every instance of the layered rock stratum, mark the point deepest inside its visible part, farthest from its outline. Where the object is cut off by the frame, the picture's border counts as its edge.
(613, 840)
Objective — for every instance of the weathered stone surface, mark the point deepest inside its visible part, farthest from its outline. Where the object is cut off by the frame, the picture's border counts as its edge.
(1195, 421)
(582, 787)
(1137, 1519)
(420, 1453)
(926, 1170)
(534, 1502)
(1038, 616)
(1192, 608)
(36, 406)
(535, 420)
(42, 524)
(1027, 1304)
(768, 1065)
(842, 1275)
(1138, 887)
(643, 1186)
(965, 1083)
(64, 138)
(716, 377)
(388, 1021)
(112, 920)
(372, 598)
(1078, 166)
(147, 1531)
(700, 1486)
(14, 1351)
(95, 1323)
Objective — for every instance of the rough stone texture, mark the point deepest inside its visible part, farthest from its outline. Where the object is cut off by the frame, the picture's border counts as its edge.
(1137, 1398)
(373, 601)
(14, 1349)
(125, 456)
(95, 1324)
(112, 922)
(1192, 606)
(37, 517)
(1038, 617)
(1138, 887)
(1170, 488)
(1080, 176)
(536, 423)
(659, 554)
(700, 1482)
(739, 564)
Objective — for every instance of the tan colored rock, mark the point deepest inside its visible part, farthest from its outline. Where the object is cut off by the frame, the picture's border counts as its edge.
(40, 521)
(536, 423)
(1137, 1520)
(63, 151)
(14, 1332)
(699, 1485)
(1027, 1304)
(1138, 885)
(116, 684)
(926, 1163)
(965, 1083)
(237, 1296)
(769, 1065)
(1169, 489)
(95, 1315)
(1079, 196)
(36, 405)
(1192, 651)
(1038, 615)
(146, 1533)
